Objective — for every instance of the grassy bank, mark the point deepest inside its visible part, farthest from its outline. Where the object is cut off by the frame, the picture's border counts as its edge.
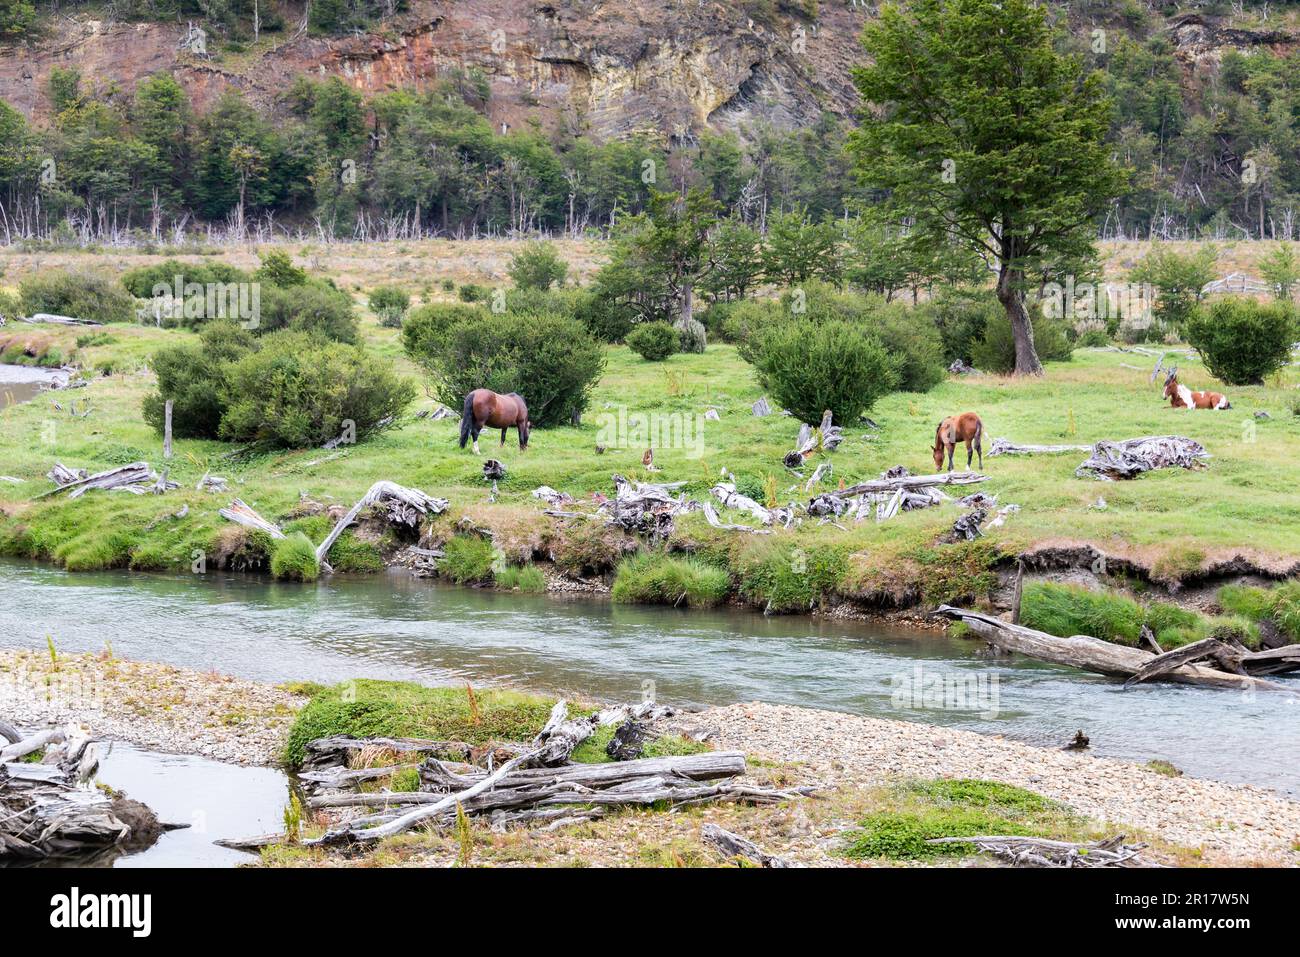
(1171, 523)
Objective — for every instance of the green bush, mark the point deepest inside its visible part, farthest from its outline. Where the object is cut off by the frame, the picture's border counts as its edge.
(537, 266)
(425, 329)
(390, 304)
(311, 307)
(550, 360)
(995, 351)
(1178, 280)
(908, 333)
(691, 335)
(294, 558)
(141, 281)
(298, 391)
(193, 377)
(467, 560)
(473, 292)
(810, 367)
(961, 318)
(657, 579)
(396, 709)
(277, 269)
(604, 318)
(653, 341)
(1241, 340)
(78, 294)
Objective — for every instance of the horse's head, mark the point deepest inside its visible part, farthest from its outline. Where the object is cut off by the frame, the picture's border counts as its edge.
(1171, 383)
(938, 449)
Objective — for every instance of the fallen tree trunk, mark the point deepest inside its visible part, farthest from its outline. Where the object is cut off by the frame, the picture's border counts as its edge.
(911, 482)
(405, 507)
(1187, 654)
(1094, 654)
(734, 846)
(121, 477)
(1007, 447)
(1043, 852)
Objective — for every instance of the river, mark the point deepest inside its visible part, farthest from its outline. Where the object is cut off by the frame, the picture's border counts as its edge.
(393, 626)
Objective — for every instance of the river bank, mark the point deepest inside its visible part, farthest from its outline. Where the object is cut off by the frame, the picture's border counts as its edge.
(853, 760)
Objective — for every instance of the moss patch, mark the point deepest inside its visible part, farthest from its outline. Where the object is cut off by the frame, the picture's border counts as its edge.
(368, 708)
(924, 810)
(467, 560)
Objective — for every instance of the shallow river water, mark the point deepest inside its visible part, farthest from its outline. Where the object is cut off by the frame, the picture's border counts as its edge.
(393, 626)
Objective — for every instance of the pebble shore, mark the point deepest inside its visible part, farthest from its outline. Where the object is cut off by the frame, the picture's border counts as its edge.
(245, 722)
(1230, 823)
(156, 706)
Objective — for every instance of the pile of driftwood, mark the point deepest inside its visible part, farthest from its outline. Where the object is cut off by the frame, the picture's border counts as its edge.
(136, 478)
(48, 809)
(401, 508)
(896, 490)
(536, 783)
(1042, 852)
(1211, 662)
(1111, 461)
(824, 438)
(642, 508)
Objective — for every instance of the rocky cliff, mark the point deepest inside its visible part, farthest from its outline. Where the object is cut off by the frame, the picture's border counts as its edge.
(600, 67)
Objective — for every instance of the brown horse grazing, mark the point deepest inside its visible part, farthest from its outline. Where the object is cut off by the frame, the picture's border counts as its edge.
(483, 407)
(967, 428)
(1181, 397)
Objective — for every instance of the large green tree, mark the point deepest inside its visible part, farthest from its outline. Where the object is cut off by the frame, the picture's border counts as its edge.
(976, 128)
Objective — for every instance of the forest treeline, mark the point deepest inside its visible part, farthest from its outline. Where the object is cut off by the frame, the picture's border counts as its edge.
(1219, 157)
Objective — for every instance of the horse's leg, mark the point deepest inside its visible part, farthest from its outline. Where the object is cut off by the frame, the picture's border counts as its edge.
(969, 454)
(503, 436)
(951, 449)
(474, 431)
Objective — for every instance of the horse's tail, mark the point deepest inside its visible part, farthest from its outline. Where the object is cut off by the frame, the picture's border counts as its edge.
(979, 431)
(466, 419)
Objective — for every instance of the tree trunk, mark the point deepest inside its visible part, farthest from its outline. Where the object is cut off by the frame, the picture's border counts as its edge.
(1012, 297)
(688, 302)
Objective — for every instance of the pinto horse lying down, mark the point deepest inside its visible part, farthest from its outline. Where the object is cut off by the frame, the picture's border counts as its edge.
(487, 409)
(1181, 397)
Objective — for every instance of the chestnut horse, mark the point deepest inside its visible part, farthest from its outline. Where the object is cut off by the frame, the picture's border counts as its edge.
(1181, 397)
(967, 428)
(483, 407)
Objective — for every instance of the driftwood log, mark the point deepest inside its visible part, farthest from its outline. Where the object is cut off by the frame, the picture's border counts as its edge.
(733, 846)
(824, 437)
(405, 506)
(1042, 852)
(1112, 461)
(1094, 654)
(136, 477)
(50, 810)
(1007, 447)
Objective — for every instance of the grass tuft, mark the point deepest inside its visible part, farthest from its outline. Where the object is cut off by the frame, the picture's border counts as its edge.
(659, 579)
(293, 558)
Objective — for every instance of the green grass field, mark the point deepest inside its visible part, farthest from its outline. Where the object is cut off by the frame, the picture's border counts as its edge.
(1172, 521)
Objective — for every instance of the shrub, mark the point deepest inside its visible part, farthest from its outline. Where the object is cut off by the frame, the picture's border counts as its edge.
(1242, 341)
(294, 558)
(605, 318)
(810, 367)
(309, 307)
(786, 580)
(467, 560)
(961, 319)
(691, 335)
(390, 304)
(141, 281)
(396, 709)
(550, 360)
(1178, 280)
(537, 266)
(1280, 605)
(670, 580)
(473, 292)
(297, 391)
(193, 377)
(995, 351)
(77, 294)
(425, 329)
(653, 341)
(277, 269)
